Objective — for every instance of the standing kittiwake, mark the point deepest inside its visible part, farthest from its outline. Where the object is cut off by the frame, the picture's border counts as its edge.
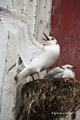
(61, 72)
(35, 56)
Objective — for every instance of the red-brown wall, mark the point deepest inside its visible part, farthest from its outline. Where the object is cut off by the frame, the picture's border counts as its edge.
(65, 27)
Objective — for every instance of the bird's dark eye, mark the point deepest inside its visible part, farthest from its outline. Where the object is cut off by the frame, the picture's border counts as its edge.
(61, 67)
(68, 67)
(52, 38)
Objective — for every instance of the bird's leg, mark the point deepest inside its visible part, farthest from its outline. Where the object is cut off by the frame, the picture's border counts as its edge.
(32, 77)
(38, 75)
(18, 71)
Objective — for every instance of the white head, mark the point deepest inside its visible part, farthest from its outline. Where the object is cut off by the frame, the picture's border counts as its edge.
(50, 39)
(70, 67)
(68, 71)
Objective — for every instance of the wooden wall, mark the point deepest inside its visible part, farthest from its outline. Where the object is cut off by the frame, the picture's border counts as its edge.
(34, 11)
(65, 27)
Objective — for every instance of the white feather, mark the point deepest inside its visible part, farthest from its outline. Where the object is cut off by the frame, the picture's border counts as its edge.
(35, 56)
(68, 73)
(27, 46)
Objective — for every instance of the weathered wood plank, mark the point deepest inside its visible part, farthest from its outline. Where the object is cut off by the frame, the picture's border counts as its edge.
(8, 52)
(68, 32)
(78, 26)
(64, 27)
(78, 45)
(43, 22)
(8, 55)
(55, 18)
(78, 66)
(55, 22)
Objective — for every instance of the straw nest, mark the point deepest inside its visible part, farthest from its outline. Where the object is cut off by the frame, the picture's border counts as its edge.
(49, 99)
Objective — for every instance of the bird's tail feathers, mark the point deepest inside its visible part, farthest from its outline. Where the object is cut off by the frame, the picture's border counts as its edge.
(23, 74)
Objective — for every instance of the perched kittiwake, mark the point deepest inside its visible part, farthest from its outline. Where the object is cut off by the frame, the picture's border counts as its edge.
(35, 56)
(61, 72)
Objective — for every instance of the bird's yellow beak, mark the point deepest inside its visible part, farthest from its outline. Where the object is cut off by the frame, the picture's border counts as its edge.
(46, 37)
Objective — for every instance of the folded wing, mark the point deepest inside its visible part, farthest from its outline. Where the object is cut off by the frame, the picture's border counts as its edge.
(55, 73)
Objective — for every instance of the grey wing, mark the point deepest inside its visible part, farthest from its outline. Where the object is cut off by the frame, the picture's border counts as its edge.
(59, 75)
(54, 73)
(27, 46)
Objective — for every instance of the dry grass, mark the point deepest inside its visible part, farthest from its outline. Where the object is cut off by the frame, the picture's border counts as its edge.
(50, 99)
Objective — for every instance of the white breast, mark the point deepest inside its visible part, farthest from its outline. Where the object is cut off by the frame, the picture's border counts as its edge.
(68, 73)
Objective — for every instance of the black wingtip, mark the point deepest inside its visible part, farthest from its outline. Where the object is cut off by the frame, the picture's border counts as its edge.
(16, 78)
(0, 9)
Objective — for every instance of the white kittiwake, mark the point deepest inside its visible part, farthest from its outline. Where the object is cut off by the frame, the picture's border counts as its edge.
(35, 56)
(61, 72)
